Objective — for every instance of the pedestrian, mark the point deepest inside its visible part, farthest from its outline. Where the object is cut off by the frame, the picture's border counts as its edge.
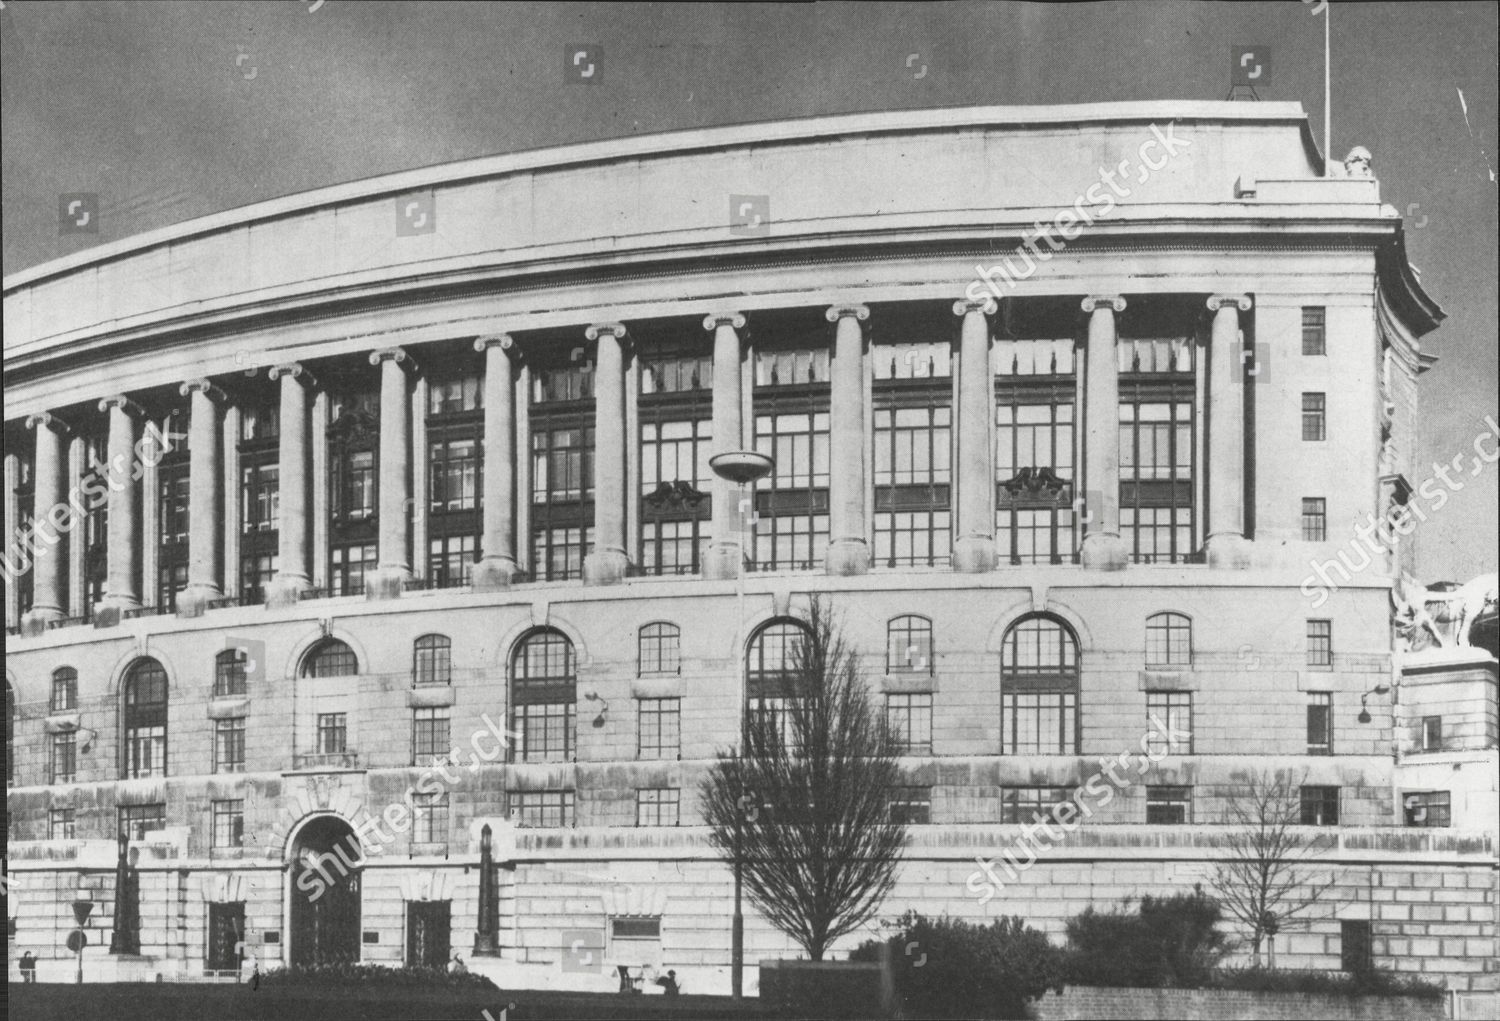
(458, 965)
(255, 978)
(28, 967)
(668, 983)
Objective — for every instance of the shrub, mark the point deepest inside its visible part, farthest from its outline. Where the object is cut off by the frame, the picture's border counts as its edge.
(1167, 941)
(375, 975)
(946, 968)
(1374, 982)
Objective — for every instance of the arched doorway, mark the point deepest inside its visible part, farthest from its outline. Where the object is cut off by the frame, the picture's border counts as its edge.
(325, 893)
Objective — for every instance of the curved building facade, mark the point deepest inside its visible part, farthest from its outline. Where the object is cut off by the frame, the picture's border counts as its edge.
(1075, 412)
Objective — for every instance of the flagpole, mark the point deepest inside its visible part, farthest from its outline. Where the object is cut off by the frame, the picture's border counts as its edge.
(1327, 89)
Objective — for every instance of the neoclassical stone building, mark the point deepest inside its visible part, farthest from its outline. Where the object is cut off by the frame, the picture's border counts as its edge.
(1066, 405)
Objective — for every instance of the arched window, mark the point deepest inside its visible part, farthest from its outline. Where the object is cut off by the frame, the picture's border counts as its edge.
(330, 658)
(1169, 640)
(771, 673)
(544, 697)
(145, 720)
(229, 672)
(432, 660)
(1039, 688)
(64, 689)
(908, 645)
(660, 650)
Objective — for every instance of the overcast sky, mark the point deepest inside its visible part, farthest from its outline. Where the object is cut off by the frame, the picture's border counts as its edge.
(174, 109)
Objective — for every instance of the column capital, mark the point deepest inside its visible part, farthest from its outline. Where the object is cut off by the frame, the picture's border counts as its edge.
(503, 341)
(202, 386)
(837, 312)
(124, 403)
(48, 420)
(988, 305)
(1114, 301)
(296, 370)
(399, 355)
(714, 320)
(1217, 301)
(615, 330)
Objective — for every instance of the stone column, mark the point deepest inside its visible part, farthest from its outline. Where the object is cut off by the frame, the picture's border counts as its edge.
(234, 523)
(291, 579)
(725, 556)
(848, 523)
(47, 494)
(12, 544)
(394, 568)
(607, 564)
(974, 549)
(205, 494)
(1226, 545)
(122, 477)
(497, 568)
(1098, 506)
(77, 548)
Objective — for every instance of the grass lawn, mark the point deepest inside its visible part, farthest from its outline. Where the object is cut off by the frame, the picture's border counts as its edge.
(212, 1002)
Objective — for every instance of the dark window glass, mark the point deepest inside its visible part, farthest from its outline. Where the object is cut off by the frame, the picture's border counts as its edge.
(1319, 723)
(1320, 806)
(1314, 408)
(1314, 330)
(146, 720)
(432, 660)
(1169, 805)
(1356, 948)
(1314, 519)
(1169, 640)
(656, 806)
(64, 689)
(330, 658)
(1428, 808)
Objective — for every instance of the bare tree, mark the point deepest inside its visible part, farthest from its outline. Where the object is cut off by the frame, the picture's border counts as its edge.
(1264, 880)
(805, 807)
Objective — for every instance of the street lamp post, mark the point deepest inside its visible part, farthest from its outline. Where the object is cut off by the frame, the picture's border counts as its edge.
(743, 468)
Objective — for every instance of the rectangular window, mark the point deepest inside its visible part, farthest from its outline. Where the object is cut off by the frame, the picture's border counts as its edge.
(256, 572)
(453, 396)
(65, 757)
(1314, 330)
(1356, 948)
(1169, 806)
(557, 553)
(229, 673)
(908, 719)
(226, 933)
(229, 823)
(172, 581)
(1028, 804)
(430, 735)
(542, 808)
(229, 745)
(1319, 723)
(145, 751)
(260, 496)
(1314, 519)
(1156, 477)
(1314, 409)
(913, 477)
(450, 560)
(791, 509)
(1320, 643)
(1034, 477)
(547, 731)
(778, 715)
(60, 824)
(349, 566)
(1039, 723)
(429, 814)
(333, 733)
(911, 806)
(656, 806)
(455, 474)
(1169, 721)
(172, 510)
(1427, 808)
(1320, 806)
(138, 820)
(562, 465)
(659, 734)
(1432, 733)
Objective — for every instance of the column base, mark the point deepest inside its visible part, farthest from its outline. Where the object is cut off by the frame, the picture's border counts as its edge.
(493, 574)
(723, 562)
(286, 590)
(387, 583)
(846, 557)
(605, 567)
(974, 554)
(485, 945)
(1104, 551)
(195, 599)
(1229, 550)
(34, 621)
